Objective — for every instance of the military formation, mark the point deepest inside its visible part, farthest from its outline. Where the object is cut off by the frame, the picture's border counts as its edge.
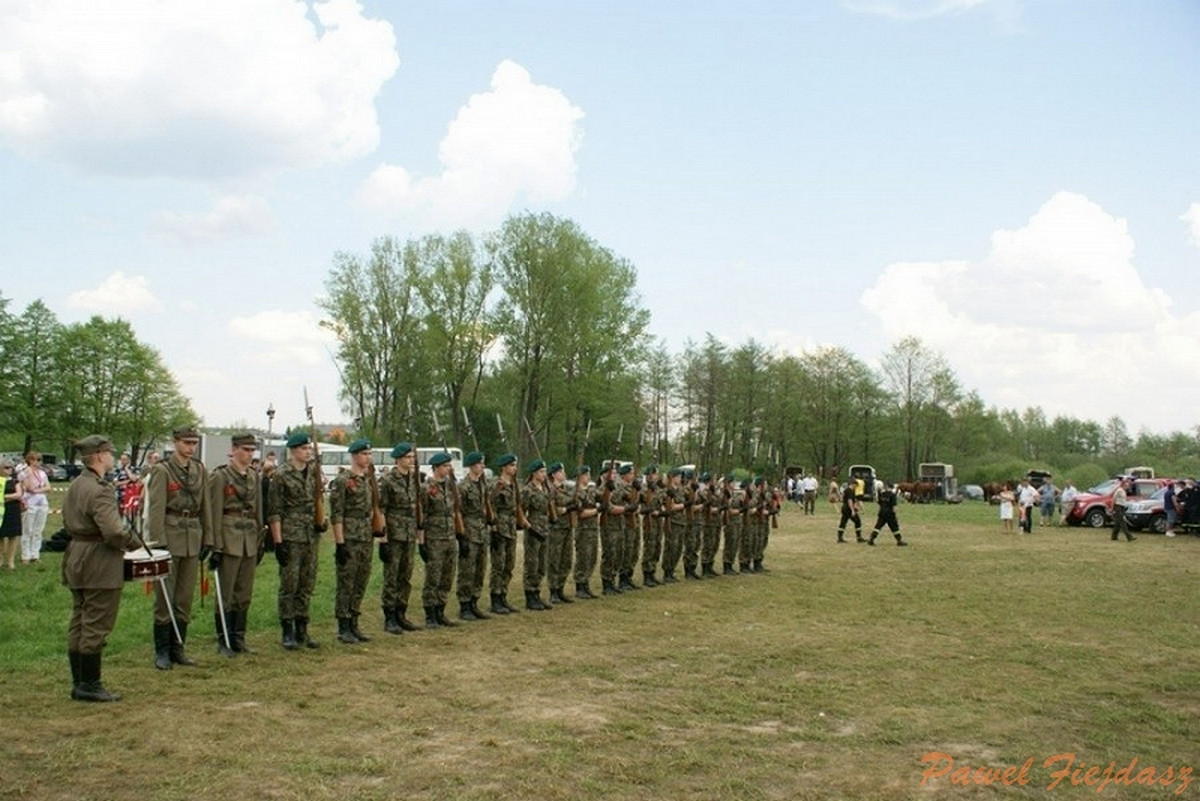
(465, 532)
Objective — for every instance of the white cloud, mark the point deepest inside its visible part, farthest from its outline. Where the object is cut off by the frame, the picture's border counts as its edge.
(514, 143)
(231, 217)
(1003, 10)
(1192, 218)
(1055, 315)
(206, 87)
(120, 294)
(294, 336)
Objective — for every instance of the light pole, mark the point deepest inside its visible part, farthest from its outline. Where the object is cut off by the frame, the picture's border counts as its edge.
(270, 419)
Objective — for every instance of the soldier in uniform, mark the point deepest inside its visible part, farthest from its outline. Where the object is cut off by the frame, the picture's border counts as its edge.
(585, 505)
(612, 529)
(887, 515)
(509, 517)
(735, 505)
(651, 525)
(235, 501)
(559, 547)
(539, 512)
(694, 536)
(438, 542)
(93, 566)
(351, 505)
(398, 498)
(850, 509)
(179, 517)
(714, 514)
(673, 509)
(291, 517)
(631, 536)
(478, 520)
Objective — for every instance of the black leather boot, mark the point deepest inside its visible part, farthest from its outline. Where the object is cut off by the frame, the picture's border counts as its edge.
(90, 688)
(533, 601)
(218, 620)
(441, 617)
(356, 631)
(669, 577)
(391, 622)
(240, 619)
(690, 573)
(402, 618)
(900, 541)
(609, 588)
(512, 610)
(562, 598)
(289, 635)
(648, 579)
(162, 646)
(302, 634)
(344, 634)
(178, 655)
(73, 659)
(465, 612)
(476, 610)
(498, 607)
(727, 569)
(431, 621)
(707, 570)
(582, 590)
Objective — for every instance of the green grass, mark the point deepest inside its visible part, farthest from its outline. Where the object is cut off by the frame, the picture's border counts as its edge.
(832, 676)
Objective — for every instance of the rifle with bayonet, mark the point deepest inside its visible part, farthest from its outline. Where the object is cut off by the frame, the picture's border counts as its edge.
(610, 482)
(573, 511)
(319, 523)
(414, 478)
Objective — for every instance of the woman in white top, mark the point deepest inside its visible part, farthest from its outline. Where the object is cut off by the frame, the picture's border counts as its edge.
(37, 507)
(1006, 508)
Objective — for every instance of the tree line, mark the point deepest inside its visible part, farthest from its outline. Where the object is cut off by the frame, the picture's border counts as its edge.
(61, 382)
(533, 339)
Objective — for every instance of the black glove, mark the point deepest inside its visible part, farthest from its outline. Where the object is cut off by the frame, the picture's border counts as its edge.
(205, 551)
(282, 554)
(494, 536)
(385, 552)
(423, 552)
(341, 554)
(464, 547)
(214, 561)
(321, 529)
(537, 535)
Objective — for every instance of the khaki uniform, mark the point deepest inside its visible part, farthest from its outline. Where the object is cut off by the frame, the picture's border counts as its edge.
(180, 520)
(93, 565)
(235, 501)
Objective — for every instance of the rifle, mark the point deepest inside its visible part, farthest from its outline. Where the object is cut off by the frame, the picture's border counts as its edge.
(378, 521)
(612, 468)
(519, 511)
(319, 523)
(459, 527)
(414, 479)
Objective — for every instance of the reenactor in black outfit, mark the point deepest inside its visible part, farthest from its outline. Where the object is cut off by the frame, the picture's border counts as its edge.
(850, 506)
(887, 500)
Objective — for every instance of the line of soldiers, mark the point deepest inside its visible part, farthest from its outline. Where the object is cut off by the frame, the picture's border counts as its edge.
(466, 529)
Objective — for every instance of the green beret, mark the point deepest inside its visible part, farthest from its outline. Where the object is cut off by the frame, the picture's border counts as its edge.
(401, 449)
(705, 476)
(506, 459)
(674, 471)
(534, 466)
(554, 467)
(93, 444)
(688, 472)
(439, 458)
(729, 477)
(298, 439)
(360, 445)
(240, 440)
(474, 457)
(583, 468)
(185, 432)
(625, 469)
(650, 470)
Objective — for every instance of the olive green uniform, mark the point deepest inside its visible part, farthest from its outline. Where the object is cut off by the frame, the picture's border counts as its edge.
(350, 506)
(714, 515)
(504, 540)
(734, 521)
(675, 525)
(612, 532)
(536, 503)
(473, 557)
(559, 547)
(652, 525)
(179, 518)
(694, 534)
(441, 547)
(631, 536)
(290, 503)
(235, 501)
(587, 535)
(398, 500)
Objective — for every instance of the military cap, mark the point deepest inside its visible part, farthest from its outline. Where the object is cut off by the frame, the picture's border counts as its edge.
(534, 466)
(185, 432)
(554, 467)
(583, 468)
(240, 440)
(298, 439)
(705, 476)
(359, 445)
(674, 471)
(729, 477)
(506, 459)
(401, 449)
(650, 470)
(625, 469)
(439, 458)
(687, 472)
(759, 481)
(93, 444)
(474, 457)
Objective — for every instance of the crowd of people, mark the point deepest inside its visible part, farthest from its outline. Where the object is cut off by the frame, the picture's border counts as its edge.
(26, 509)
(623, 523)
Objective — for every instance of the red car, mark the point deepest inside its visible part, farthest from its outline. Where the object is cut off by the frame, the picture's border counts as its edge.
(1094, 506)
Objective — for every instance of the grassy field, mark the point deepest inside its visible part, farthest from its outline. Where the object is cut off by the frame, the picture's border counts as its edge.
(832, 676)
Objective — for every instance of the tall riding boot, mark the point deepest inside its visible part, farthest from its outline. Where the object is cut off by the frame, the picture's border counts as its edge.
(391, 621)
(431, 621)
(465, 612)
(219, 619)
(240, 619)
(441, 617)
(73, 659)
(533, 601)
(178, 655)
(344, 634)
(356, 631)
(162, 646)
(302, 634)
(90, 688)
(582, 590)
(498, 607)
(289, 635)
(476, 610)
(402, 618)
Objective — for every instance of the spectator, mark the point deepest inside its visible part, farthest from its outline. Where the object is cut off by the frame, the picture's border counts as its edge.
(124, 475)
(1007, 499)
(1120, 499)
(811, 486)
(1067, 500)
(35, 485)
(1171, 506)
(1027, 498)
(1048, 495)
(10, 528)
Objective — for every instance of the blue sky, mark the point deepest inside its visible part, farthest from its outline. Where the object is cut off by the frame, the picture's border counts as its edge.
(1018, 183)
